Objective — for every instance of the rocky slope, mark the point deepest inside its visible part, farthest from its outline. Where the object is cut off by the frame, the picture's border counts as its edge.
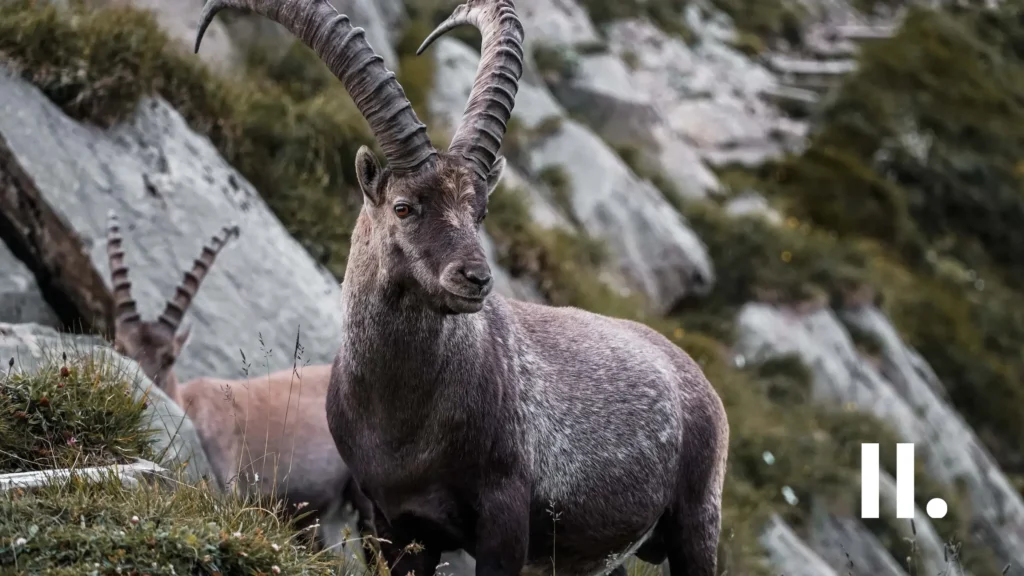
(669, 163)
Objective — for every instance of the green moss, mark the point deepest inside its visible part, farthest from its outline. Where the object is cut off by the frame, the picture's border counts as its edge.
(633, 158)
(767, 20)
(74, 411)
(665, 14)
(835, 190)
(80, 527)
(759, 261)
(557, 179)
(937, 111)
(555, 64)
(294, 144)
(416, 73)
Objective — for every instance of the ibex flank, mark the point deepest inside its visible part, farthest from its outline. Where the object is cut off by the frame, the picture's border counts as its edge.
(266, 435)
(550, 440)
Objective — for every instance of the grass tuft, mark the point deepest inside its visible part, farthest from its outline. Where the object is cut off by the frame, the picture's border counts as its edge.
(99, 527)
(75, 412)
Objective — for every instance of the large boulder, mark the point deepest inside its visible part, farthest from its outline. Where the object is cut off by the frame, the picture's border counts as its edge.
(21, 301)
(903, 392)
(172, 191)
(175, 439)
(650, 243)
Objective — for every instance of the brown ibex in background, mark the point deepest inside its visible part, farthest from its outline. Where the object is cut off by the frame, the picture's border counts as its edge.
(272, 429)
(551, 439)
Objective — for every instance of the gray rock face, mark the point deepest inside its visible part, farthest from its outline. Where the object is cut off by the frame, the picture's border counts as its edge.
(33, 346)
(788, 554)
(709, 94)
(172, 191)
(21, 301)
(651, 244)
(903, 393)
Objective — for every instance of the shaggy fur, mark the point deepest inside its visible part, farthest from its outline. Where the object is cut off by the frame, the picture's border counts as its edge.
(267, 435)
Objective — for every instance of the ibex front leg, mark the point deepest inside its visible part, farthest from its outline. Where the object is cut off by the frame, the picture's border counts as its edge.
(503, 527)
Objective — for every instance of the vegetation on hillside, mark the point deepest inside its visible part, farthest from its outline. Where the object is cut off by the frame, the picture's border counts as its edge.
(289, 127)
(916, 170)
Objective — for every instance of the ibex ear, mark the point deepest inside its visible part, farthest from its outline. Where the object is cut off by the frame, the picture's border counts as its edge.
(368, 172)
(494, 176)
(181, 339)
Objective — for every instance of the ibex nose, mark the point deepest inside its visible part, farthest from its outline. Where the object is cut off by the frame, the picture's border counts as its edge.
(478, 274)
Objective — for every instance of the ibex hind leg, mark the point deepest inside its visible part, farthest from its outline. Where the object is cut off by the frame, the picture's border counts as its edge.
(691, 527)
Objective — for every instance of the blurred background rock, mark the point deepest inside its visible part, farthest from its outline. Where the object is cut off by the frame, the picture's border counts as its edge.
(822, 201)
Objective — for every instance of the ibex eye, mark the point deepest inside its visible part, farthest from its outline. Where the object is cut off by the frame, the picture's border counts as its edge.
(403, 210)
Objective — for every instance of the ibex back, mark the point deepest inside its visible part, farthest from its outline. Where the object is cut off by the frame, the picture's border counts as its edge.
(267, 434)
(550, 439)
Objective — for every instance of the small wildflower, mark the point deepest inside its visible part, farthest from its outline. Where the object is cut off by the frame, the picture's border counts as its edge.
(275, 547)
(275, 569)
(207, 559)
(44, 401)
(72, 441)
(20, 542)
(135, 520)
(64, 372)
(237, 534)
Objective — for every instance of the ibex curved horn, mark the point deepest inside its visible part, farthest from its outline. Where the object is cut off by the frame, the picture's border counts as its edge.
(376, 92)
(186, 291)
(478, 138)
(125, 310)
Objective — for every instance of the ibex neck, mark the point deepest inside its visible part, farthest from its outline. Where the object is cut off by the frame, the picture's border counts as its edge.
(170, 387)
(390, 336)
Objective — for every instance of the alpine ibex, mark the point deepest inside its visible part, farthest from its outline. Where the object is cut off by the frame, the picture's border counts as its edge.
(272, 430)
(534, 437)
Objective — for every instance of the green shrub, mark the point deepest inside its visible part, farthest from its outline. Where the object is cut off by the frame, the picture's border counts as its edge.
(555, 64)
(84, 527)
(936, 112)
(72, 411)
(767, 19)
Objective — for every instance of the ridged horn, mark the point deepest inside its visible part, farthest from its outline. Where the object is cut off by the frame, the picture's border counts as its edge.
(376, 92)
(125, 310)
(479, 136)
(186, 291)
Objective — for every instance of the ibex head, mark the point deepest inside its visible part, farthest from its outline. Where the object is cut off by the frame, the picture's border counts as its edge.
(155, 345)
(422, 212)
